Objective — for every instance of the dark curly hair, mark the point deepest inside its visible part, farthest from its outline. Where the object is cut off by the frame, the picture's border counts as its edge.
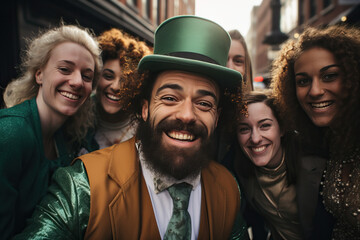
(129, 50)
(344, 43)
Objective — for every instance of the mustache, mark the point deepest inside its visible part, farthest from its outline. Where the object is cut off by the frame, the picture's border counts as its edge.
(199, 131)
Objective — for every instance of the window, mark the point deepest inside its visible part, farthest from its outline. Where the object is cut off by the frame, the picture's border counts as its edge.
(166, 9)
(326, 3)
(160, 10)
(132, 2)
(155, 15)
(301, 12)
(176, 7)
(312, 8)
(146, 8)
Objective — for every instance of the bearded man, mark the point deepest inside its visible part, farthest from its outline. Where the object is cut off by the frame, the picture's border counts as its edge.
(163, 184)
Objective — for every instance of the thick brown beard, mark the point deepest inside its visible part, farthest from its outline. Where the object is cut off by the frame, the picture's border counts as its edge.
(173, 161)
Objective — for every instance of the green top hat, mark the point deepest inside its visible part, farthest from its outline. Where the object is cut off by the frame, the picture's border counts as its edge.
(192, 44)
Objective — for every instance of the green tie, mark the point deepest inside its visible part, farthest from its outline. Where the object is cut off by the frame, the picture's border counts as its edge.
(179, 226)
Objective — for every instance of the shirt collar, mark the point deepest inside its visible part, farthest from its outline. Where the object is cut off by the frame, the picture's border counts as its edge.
(159, 182)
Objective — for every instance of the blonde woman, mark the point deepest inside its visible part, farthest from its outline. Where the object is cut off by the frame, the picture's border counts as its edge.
(47, 117)
(239, 59)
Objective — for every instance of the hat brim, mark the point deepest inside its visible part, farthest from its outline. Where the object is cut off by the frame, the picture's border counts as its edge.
(225, 77)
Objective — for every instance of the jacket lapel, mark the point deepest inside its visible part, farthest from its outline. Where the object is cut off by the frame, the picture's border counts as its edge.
(311, 169)
(213, 209)
(131, 208)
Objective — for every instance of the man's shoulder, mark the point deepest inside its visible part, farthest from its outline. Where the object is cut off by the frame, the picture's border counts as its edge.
(216, 168)
(119, 162)
(107, 153)
(219, 174)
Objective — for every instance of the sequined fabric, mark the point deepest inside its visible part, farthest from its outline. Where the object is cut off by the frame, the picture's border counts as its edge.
(341, 194)
(62, 214)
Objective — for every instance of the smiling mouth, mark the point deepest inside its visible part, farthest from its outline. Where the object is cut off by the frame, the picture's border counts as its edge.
(322, 104)
(112, 97)
(69, 95)
(258, 149)
(181, 136)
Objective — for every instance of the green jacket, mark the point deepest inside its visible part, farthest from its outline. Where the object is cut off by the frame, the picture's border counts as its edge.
(25, 172)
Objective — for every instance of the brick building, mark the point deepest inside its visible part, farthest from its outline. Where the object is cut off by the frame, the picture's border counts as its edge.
(295, 16)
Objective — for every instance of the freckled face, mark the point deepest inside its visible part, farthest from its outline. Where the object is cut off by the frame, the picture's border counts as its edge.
(185, 97)
(319, 85)
(259, 136)
(66, 80)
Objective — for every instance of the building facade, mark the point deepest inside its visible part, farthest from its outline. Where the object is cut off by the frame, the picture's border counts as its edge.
(295, 15)
(24, 18)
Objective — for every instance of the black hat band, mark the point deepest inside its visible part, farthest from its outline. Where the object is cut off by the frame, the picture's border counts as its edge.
(193, 56)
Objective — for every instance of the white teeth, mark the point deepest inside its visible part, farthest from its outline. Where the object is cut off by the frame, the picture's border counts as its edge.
(113, 97)
(321, 105)
(258, 149)
(181, 136)
(70, 95)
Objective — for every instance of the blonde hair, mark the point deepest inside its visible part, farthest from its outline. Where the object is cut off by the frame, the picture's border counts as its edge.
(248, 76)
(37, 56)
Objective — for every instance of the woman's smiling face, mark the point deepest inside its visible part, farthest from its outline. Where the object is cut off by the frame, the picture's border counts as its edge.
(318, 85)
(259, 136)
(109, 87)
(66, 80)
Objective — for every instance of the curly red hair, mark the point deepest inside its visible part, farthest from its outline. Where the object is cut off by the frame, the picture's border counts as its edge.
(129, 50)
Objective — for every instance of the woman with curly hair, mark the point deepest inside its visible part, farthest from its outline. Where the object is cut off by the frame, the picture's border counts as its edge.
(265, 165)
(316, 80)
(265, 158)
(46, 120)
(121, 54)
